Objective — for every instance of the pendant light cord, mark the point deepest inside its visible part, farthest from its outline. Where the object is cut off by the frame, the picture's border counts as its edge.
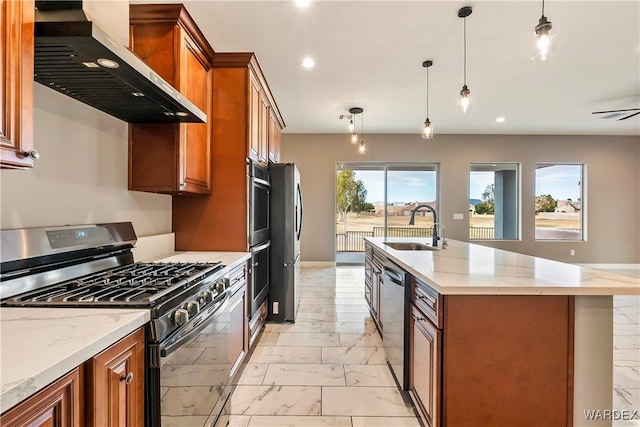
(362, 126)
(542, 7)
(427, 92)
(465, 50)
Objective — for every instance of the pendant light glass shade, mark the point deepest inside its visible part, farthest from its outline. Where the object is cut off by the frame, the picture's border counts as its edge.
(427, 127)
(465, 94)
(544, 38)
(351, 126)
(354, 138)
(362, 148)
(354, 111)
(465, 99)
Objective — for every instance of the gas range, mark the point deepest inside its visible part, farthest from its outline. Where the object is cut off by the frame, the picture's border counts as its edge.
(92, 266)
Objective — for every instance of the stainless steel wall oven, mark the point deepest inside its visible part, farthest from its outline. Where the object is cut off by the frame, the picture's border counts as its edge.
(188, 344)
(259, 197)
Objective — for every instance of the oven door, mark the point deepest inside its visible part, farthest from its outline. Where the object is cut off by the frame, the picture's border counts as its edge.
(259, 194)
(192, 380)
(259, 276)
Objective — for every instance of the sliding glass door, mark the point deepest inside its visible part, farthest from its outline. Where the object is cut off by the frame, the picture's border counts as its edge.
(382, 200)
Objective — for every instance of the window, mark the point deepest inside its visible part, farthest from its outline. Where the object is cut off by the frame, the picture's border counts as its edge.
(559, 201)
(493, 201)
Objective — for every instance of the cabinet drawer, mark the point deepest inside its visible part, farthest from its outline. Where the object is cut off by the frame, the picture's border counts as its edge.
(238, 275)
(428, 301)
(257, 322)
(367, 292)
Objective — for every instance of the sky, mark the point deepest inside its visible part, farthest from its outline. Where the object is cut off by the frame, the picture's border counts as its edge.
(561, 181)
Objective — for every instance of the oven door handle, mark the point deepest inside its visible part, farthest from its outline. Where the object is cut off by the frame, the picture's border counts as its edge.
(193, 328)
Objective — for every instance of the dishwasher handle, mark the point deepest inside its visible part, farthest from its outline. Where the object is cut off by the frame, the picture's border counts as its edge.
(394, 273)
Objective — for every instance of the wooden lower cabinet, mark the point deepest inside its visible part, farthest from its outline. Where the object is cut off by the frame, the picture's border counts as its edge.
(58, 405)
(425, 363)
(115, 384)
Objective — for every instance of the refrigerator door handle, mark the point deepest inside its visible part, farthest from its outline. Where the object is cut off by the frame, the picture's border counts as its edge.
(300, 203)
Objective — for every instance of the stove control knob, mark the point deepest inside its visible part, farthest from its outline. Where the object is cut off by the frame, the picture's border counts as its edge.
(207, 296)
(193, 307)
(220, 287)
(181, 316)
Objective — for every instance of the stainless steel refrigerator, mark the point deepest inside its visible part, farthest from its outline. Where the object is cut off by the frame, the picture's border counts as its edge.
(285, 229)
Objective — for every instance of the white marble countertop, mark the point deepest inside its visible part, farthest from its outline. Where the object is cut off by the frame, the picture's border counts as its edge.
(39, 345)
(470, 269)
(229, 259)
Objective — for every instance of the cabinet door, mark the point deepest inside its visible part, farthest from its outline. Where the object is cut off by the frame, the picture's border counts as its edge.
(115, 384)
(16, 80)
(239, 329)
(425, 366)
(274, 138)
(58, 405)
(255, 105)
(195, 84)
(263, 151)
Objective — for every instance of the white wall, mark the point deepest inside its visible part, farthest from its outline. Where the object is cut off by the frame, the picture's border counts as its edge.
(81, 176)
(612, 186)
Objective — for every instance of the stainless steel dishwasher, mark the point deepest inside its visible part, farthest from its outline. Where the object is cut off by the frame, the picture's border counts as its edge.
(394, 315)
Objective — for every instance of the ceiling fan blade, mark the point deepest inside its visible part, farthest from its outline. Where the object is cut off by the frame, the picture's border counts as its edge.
(630, 115)
(616, 111)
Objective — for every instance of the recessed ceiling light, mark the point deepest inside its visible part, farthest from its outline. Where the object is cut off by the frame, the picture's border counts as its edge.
(500, 119)
(302, 3)
(308, 62)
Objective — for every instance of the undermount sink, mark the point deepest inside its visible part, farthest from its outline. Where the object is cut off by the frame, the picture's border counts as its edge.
(410, 246)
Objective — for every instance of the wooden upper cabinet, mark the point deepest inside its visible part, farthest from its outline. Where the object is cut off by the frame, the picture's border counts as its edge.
(16, 80)
(58, 405)
(255, 109)
(172, 158)
(275, 136)
(115, 384)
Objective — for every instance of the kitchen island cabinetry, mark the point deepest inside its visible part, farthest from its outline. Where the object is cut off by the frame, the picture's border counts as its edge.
(241, 105)
(172, 158)
(115, 384)
(374, 262)
(58, 405)
(16, 78)
(425, 367)
(502, 339)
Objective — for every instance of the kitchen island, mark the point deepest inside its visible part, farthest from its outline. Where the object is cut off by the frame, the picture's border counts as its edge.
(507, 339)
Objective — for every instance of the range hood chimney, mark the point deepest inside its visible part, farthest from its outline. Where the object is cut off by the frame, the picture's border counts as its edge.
(75, 57)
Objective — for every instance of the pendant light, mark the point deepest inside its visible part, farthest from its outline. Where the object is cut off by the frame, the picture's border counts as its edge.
(427, 127)
(543, 37)
(362, 148)
(465, 93)
(352, 129)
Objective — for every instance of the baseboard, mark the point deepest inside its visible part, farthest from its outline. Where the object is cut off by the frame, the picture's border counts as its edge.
(611, 266)
(317, 264)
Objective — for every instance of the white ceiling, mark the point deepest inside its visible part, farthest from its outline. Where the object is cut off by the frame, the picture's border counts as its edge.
(369, 54)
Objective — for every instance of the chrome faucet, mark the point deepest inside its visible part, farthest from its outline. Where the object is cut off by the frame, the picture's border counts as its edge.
(435, 239)
(440, 234)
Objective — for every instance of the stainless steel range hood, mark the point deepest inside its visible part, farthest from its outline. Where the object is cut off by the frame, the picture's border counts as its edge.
(77, 58)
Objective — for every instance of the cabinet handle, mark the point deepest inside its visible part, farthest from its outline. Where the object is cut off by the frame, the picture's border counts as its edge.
(127, 378)
(422, 297)
(255, 264)
(32, 154)
(419, 319)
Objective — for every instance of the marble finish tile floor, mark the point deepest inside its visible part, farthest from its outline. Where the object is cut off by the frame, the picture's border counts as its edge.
(326, 369)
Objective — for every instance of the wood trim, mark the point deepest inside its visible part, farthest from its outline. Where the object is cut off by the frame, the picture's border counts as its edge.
(570, 358)
(249, 59)
(57, 405)
(140, 14)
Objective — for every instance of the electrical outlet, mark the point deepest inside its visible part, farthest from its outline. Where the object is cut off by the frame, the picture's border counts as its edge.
(572, 252)
(458, 216)
(276, 307)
